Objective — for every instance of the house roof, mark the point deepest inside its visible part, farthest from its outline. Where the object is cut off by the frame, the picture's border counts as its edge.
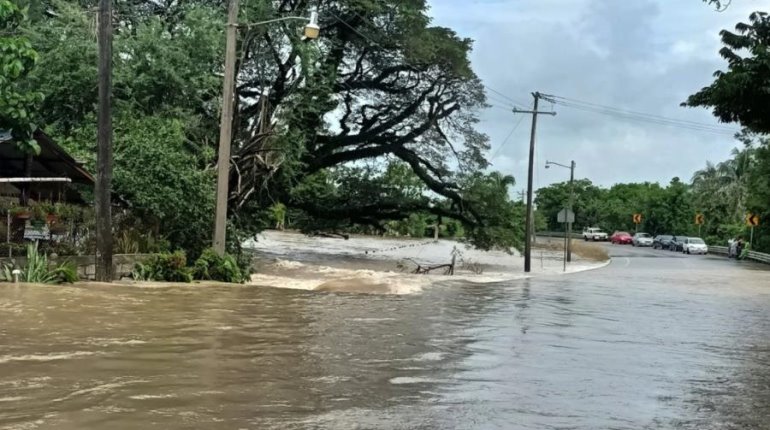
(52, 162)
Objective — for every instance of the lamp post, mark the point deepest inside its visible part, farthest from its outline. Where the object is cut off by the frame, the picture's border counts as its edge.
(312, 31)
(571, 167)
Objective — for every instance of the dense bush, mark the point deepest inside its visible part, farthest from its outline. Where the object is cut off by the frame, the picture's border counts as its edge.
(164, 267)
(37, 270)
(213, 267)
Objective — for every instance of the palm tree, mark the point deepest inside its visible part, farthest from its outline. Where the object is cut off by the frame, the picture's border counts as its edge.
(721, 190)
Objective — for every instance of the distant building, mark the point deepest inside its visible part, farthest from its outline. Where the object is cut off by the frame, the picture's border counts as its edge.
(53, 175)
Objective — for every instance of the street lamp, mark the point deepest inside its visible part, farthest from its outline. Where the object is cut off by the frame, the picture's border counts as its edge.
(571, 167)
(312, 31)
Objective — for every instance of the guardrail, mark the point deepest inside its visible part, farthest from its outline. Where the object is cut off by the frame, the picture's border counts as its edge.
(721, 250)
(557, 234)
(759, 256)
(750, 255)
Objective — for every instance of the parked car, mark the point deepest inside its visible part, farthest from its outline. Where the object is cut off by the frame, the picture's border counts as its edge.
(621, 238)
(695, 245)
(662, 241)
(642, 239)
(677, 244)
(594, 233)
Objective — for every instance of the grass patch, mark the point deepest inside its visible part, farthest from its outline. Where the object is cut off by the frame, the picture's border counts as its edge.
(585, 250)
(590, 251)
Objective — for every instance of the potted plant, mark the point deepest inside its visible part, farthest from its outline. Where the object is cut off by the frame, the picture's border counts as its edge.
(21, 212)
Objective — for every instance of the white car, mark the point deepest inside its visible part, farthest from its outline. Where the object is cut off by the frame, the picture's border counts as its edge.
(695, 245)
(594, 233)
(641, 239)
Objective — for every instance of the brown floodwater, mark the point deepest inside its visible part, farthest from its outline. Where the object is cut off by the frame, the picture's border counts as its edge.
(655, 340)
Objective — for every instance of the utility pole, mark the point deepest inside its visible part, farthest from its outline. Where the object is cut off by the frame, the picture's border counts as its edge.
(571, 208)
(226, 131)
(530, 219)
(103, 187)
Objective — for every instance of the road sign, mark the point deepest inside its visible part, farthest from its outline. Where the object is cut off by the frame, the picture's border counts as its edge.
(565, 215)
(752, 220)
(699, 219)
(637, 218)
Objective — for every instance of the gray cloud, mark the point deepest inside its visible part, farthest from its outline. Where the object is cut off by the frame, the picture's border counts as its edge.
(640, 55)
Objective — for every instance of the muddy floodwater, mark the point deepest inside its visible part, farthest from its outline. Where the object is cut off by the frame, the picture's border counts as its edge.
(655, 340)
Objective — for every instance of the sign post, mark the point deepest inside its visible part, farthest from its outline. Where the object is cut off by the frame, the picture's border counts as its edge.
(566, 216)
(699, 219)
(753, 221)
(637, 221)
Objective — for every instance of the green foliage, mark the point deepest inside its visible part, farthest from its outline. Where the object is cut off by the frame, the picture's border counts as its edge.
(37, 269)
(18, 105)
(501, 219)
(212, 267)
(341, 148)
(159, 176)
(664, 210)
(733, 95)
(65, 273)
(164, 268)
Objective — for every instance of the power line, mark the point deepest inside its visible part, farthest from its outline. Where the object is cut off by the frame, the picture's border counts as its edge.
(499, 148)
(674, 124)
(631, 112)
(640, 116)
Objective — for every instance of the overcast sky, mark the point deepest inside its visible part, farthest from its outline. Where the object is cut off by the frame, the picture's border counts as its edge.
(640, 55)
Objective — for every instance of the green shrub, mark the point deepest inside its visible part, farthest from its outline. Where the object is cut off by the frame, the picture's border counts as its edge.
(164, 267)
(38, 270)
(66, 273)
(213, 267)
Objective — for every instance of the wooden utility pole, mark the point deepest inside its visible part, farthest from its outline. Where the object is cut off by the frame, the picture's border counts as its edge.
(226, 131)
(571, 208)
(530, 218)
(103, 188)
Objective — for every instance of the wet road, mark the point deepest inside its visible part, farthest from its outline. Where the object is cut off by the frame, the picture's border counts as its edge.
(655, 340)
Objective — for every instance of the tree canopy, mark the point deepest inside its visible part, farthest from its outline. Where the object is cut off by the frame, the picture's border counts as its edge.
(370, 124)
(17, 59)
(740, 94)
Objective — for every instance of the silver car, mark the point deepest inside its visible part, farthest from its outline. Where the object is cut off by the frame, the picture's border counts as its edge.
(641, 239)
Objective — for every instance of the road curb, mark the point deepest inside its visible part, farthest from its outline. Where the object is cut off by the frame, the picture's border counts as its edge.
(588, 269)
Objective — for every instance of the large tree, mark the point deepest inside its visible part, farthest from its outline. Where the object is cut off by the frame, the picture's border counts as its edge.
(381, 83)
(741, 93)
(317, 122)
(17, 58)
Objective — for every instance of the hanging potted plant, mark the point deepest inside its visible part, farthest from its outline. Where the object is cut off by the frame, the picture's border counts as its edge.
(21, 213)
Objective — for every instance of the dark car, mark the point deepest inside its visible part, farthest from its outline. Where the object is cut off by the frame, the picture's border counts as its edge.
(662, 241)
(677, 243)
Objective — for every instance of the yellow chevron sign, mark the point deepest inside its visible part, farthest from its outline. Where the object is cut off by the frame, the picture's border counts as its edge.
(752, 220)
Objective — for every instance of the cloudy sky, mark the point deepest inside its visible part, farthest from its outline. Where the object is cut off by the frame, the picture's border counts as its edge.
(638, 55)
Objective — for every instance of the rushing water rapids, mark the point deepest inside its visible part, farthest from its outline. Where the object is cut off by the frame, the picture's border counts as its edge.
(652, 341)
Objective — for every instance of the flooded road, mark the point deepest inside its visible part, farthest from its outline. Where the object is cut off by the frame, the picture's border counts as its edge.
(655, 340)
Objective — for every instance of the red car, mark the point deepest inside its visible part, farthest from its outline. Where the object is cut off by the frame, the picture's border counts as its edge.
(621, 238)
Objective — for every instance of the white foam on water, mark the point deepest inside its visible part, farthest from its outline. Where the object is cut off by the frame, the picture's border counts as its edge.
(44, 357)
(113, 342)
(305, 264)
(401, 380)
(152, 396)
(430, 356)
(288, 264)
(12, 399)
(99, 389)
